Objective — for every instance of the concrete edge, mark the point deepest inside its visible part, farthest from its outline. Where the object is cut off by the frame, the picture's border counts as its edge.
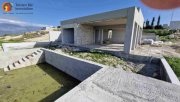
(83, 60)
(23, 45)
(169, 72)
(77, 88)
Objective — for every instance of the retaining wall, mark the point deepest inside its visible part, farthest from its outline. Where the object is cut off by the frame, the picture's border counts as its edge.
(166, 72)
(9, 57)
(149, 36)
(55, 36)
(77, 68)
(24, 45)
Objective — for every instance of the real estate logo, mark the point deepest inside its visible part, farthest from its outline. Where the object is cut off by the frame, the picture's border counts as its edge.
(7, 6)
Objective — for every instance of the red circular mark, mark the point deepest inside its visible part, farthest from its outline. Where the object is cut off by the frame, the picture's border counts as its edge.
(162, 4)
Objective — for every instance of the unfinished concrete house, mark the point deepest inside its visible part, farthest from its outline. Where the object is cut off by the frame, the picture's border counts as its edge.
(120, 30)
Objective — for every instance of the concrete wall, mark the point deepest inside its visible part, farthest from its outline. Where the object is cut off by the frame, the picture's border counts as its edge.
(24, 45)
(167, 74)
(77, 68)
(55, 36)
(118, 33)
(149, 36)
(135, 21)
(84, 34)
(68, 35)
(174, 25)
(118, 36)
(9, 57)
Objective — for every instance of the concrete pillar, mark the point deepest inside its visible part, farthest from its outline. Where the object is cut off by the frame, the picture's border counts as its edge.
(134, 36)
(99, 36)
(62, 31)
(139, 31)
(140, 36)
(94, 36)
(137, 37)
(129, 31)
(102, 32)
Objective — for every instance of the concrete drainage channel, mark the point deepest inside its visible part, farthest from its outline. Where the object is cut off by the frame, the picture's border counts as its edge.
(86, 71)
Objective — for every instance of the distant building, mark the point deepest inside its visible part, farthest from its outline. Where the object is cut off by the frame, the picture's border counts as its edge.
(174, 25)
(47, 28)
(165, 26)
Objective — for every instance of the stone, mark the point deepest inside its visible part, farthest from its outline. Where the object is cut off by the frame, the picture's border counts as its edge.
(8, 86)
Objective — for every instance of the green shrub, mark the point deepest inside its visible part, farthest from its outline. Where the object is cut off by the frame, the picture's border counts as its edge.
(160, 32)
(175, 64)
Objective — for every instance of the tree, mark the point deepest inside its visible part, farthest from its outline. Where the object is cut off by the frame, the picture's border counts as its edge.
(152, 23)
(147, 23)
(159, 26)
(158, 22)
(147, 26)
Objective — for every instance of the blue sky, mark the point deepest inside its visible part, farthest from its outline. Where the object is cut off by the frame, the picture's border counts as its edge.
(51, 12)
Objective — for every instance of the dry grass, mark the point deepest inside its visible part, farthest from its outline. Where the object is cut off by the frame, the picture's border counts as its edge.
(37, 83)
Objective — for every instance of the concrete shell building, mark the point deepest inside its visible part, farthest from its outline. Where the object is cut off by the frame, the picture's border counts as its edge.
(122, 26)
(175, 25)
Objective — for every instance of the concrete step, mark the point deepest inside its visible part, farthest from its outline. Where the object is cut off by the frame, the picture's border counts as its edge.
(25, 61)
(35, 53)
(11, 66)
(21, 61)
(16, 64)
(6, 69)
(39, 51)
(28, 57)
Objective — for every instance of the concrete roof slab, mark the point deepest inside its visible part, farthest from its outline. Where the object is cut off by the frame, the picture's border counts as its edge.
(101, 16)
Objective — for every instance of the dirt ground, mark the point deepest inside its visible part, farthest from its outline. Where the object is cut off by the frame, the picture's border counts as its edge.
(171, 50)
(12, 37)
(144, 68)
(41, 38)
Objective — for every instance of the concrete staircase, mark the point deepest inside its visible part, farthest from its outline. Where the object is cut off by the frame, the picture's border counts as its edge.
(31, 59)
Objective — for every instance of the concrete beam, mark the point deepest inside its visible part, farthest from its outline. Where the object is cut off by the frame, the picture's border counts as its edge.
(130, 26)
(98, 17)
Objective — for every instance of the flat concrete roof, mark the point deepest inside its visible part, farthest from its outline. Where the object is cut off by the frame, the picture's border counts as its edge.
(110, 15)
(116, 85)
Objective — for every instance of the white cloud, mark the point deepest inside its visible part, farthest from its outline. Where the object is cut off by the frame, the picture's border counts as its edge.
(21, 23)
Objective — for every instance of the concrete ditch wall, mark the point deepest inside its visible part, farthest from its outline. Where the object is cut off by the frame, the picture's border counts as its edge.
(166, 72)
(77, 68)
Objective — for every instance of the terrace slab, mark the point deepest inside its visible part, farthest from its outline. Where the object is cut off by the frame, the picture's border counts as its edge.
(115, 85)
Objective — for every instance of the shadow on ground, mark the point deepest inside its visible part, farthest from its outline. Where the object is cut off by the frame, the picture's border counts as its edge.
(151, 70)
(62, 78)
